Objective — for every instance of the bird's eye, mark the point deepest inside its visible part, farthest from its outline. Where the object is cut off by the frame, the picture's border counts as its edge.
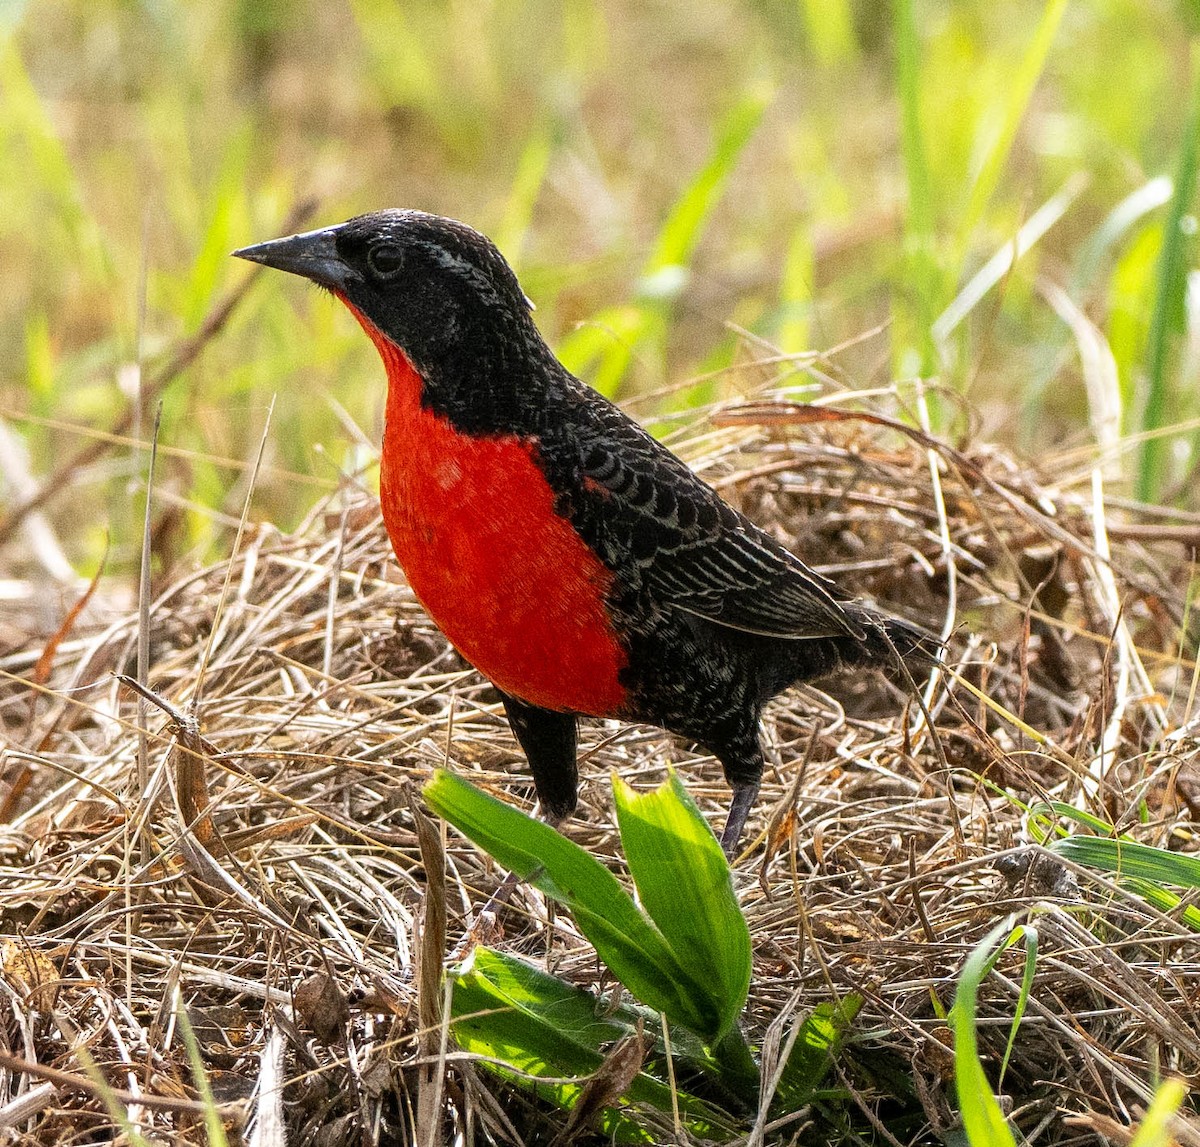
(385, 260)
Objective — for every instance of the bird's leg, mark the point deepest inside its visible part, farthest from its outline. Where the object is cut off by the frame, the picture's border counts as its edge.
(740, 805)
(741, 757)
(548, 738)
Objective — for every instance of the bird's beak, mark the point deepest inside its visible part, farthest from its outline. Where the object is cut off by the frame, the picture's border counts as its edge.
(312, 255)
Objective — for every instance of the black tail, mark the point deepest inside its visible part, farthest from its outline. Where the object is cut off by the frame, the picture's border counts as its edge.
(891, 642)
(887, 644)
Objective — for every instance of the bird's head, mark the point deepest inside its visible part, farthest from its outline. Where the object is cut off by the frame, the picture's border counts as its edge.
(436, 288)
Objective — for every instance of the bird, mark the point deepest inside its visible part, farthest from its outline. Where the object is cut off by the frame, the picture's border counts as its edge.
(569, 556)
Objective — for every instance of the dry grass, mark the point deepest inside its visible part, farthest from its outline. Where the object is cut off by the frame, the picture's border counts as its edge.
(277, 849)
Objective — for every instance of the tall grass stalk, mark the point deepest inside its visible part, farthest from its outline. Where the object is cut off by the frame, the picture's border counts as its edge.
(1154, 463)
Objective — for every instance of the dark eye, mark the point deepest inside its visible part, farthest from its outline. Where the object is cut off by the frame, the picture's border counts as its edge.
(385, 260)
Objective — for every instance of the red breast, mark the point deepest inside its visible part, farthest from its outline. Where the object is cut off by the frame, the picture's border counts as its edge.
(505, 577)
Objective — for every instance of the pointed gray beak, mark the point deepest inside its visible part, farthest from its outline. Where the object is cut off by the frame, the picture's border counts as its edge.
(312, 255)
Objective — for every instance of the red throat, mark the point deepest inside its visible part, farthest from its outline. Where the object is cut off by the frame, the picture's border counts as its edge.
(505, 577)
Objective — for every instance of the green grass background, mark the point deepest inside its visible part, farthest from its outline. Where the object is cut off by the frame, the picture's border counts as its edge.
(808, 170)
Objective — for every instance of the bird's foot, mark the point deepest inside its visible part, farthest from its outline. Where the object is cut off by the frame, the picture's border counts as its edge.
(740, 805)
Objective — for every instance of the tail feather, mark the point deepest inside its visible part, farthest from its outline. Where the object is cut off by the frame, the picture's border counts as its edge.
(894, 642)
(888, 644)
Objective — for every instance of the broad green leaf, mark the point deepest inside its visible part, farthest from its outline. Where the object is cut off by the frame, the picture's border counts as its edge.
(541, 1026)
(684, 884)
(577, 1011)
(817, 1043)
(624, 939)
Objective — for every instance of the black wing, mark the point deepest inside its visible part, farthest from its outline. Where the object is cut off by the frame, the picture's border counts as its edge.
(647, 515)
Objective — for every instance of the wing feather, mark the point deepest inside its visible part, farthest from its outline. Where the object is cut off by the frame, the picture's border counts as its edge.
(691, 551)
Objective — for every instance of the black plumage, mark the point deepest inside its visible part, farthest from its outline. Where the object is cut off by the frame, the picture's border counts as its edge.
(713, 616)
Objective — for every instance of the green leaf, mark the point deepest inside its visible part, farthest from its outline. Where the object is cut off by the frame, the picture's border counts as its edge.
(214, 1127)
(1127, 858)
(212, 260)
(1031, 954)
(817, 1043)
(684, 883)
(1041, 820)
(1141, 868)
(604, 346)
(1117, 225)
(983, 1120)
(1166, 901)
(527, 183)
(920, 272)
(830, 28)
(505, 1009)
(44, 163)
(684, 225)
(1018, 91)
(624, 939)
(997, 268)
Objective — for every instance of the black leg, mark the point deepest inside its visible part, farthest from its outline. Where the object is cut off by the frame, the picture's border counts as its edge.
(743, 765)
(548, 739)
(739, 808)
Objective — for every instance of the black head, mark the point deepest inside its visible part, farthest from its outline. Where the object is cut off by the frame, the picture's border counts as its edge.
(437, 288)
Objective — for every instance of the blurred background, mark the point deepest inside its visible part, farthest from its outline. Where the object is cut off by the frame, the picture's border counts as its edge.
(695, 196)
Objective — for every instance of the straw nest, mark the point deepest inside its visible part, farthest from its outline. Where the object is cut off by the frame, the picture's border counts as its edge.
(253, 856)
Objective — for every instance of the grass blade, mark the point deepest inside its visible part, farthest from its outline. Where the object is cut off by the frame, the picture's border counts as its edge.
(1003, 261)
(1167, 316)
(527, 183)
(1128, 858)
(1019, 92)
(1155, 1128)
(1122, 219)
(920, 270)
(982, 1118)
(1031, 953)
(604, 347)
